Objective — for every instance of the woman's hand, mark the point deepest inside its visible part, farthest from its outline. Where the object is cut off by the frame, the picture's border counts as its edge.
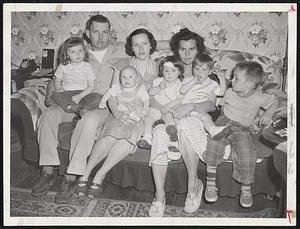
(265, 120)
(164, 109)
(126, 118)
(76, 98)
(162, 85)
(182, 110)
(60, 89)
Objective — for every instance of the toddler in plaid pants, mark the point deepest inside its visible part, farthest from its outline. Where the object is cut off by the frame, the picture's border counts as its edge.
(240, 105)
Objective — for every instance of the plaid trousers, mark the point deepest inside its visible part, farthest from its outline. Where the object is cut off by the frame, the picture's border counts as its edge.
(244, 153)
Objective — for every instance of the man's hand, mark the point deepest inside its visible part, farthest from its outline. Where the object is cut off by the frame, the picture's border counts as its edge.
(126, 118)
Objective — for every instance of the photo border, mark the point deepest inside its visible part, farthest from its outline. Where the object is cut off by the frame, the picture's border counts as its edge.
(291, 8)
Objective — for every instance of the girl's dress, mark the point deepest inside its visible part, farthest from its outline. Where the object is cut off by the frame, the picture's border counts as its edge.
(131, 132)
(150, 73)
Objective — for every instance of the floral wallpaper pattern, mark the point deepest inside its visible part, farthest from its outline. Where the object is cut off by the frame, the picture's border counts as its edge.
(263, 33)
(258, 34)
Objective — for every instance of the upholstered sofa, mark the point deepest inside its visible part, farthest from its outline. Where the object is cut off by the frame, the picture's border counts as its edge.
(134, 169)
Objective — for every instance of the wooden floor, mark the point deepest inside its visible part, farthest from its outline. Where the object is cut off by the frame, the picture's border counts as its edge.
(24, 175)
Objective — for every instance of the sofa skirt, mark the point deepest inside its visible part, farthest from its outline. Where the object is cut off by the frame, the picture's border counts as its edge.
(135, 171)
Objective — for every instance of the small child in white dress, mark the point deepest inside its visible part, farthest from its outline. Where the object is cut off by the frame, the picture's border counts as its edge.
(131, 94)
(166, 92)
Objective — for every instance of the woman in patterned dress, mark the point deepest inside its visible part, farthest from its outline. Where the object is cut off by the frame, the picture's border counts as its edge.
(192, 136)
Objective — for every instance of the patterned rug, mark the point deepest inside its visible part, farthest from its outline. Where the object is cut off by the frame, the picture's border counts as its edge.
(23, 204)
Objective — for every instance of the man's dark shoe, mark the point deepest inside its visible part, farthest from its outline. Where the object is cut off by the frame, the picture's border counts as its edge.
(66, 192)
(43, 185)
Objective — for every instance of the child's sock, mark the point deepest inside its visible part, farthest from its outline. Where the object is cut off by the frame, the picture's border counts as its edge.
(211, 175)
(211, 190)
(218, 132)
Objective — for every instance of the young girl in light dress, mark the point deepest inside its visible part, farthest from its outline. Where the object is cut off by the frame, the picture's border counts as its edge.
(165, 91)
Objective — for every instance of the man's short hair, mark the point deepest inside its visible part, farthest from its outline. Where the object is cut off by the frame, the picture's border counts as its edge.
(97, 18)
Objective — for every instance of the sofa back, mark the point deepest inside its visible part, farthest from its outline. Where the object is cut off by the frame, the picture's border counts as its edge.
(225, 60)
(33, 95)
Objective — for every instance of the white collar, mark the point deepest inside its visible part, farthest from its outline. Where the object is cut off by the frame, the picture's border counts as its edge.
(99, 54)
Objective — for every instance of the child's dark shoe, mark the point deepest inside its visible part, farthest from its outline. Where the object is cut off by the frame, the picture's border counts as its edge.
(143, 144)
(95, 191)
(172, 132)
(81, 188)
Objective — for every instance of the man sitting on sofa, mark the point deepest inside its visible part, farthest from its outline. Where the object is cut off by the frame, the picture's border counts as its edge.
(101, 56)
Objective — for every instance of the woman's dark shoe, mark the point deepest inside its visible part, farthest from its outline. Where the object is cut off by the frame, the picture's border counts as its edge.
(65, 194)
(143, 144)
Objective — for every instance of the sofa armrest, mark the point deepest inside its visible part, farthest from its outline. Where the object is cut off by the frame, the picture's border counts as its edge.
(49, 90)
(34, 99)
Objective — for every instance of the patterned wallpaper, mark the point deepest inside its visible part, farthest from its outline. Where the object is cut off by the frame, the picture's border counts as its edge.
(263, 33)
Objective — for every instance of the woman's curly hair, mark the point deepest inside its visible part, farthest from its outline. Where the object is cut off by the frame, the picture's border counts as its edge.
(128, 45)
(185, 34)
